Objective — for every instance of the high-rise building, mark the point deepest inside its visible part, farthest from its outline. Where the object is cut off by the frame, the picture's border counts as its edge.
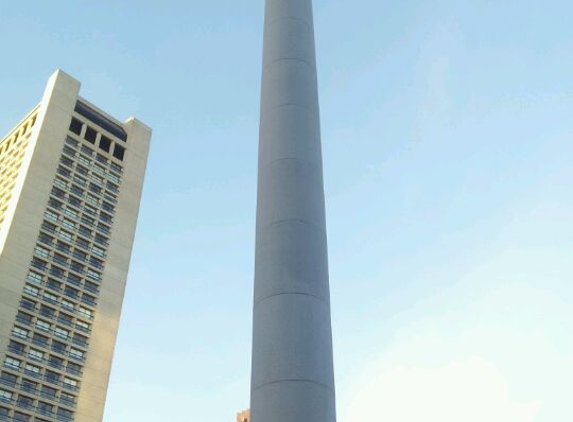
(244, 416)
(292, 366)
(70, 186)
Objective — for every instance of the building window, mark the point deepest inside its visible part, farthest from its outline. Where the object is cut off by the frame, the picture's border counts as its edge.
(58, 347)
(65, 415)
(12, 363)
(65, 319)
(76, 126)
(66, 236)
(25, 402)
(86, 312)
(32, 370)
(40, 340)
(119, 152)
(67, 399)
(67, 304)
(50, 297)
(56, 362)
(63, 247)
(19, 332)
(20, 417)
(105, 143)
(28, 386)
(36, 355)
(114, 166)
(16, 347)
(23, 317)
(72, 278)
(70, 383)
(45, 409)
(31, 290)
(48, 392)
(90, 135)
(8, 379)
(44, 253)
(60, 332)
(5, 396)
(82, 326)
(43, 325)
(52, 377)
(72, 142)
(50, 215)
(78, 354)
(47, 312)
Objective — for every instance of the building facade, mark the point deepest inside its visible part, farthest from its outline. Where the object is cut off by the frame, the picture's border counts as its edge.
(244, 416)
(70, 185)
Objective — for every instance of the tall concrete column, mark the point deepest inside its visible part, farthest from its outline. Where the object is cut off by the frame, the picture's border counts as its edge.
(292, 369)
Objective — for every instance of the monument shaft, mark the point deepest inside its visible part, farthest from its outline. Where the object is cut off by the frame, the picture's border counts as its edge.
(292, 367)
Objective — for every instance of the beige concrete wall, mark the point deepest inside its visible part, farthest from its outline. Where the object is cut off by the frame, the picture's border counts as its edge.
(33, 189)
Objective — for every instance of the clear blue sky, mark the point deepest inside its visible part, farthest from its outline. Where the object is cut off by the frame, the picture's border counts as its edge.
(448, 150)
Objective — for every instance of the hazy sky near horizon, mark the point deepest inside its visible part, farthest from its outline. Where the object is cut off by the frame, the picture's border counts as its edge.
(448, 150)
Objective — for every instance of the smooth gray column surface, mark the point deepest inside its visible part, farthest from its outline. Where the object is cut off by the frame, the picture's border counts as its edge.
(292, 369)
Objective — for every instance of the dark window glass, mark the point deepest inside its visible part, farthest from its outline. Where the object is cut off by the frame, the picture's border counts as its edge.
(28, 304)
(105, 143)
(74, 368)
(74, 279)
(90, 135)
(29, 386)
(100, 120)
(48, 392)
(8, 379)
(82, 170)
(25, 402)
(65, 319)
(40, 340)
(25, 318)
(68, 291)
(64, 247)
(119, 152)
(64, 172)
(56, 362)
(76, 126)
(16, 347)
(45, 408)
(20, 417)
(63, 413)
(58, 347)
(54, 285)
(75, 202)
(66, 161)
(52, 376)
(69, 399)
(47, 312)
(83, 243)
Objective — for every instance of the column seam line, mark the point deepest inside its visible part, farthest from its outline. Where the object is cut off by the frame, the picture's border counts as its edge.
(320, 384)
(312, 164)
(292, 105)
(294, 220)
(267, 64)
(291, 18)
(292, 294)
